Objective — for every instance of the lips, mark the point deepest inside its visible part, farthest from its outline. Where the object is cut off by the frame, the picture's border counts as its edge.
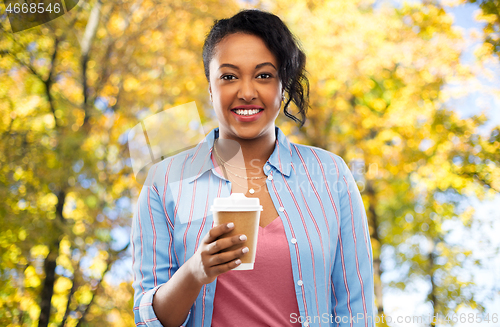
(247, 107)
(247, 113)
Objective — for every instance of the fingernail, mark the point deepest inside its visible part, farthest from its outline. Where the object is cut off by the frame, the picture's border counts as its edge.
(245, 250)
(237, 262)
(230, 225)
(243, 238)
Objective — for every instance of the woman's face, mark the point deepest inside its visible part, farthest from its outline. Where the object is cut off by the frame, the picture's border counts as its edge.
(245, 87)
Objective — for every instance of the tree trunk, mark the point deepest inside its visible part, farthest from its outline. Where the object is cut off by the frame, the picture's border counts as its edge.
(48, 286)
(70, 297)
(373, 223)
(96, 291)
(432, 294)
(50, 269)
(86, 44)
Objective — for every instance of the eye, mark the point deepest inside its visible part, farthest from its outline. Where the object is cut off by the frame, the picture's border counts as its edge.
(227, 77)
(264, 76)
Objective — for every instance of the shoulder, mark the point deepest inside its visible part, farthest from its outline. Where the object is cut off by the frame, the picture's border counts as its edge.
(311, 156)
(172, 168)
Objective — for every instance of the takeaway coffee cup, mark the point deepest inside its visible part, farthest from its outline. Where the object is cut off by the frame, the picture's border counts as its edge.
(245, 214)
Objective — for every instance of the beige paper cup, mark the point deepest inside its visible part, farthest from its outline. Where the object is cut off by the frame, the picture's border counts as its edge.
(245, 214)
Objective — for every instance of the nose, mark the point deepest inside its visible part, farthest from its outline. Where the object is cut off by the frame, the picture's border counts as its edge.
(247, 91)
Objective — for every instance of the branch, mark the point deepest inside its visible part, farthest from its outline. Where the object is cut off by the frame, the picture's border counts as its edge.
(68, 101)
(374, 223)
(49, 81)
(108, 52)
(48, 286)
(474, 175)
(120, 89)
(98, 288)
(21, 316)
(11, 123)
(22, 63)
(88, 37)
(91, 28)
(86, 45)
(111, 260)
(70, 297)
(432, 293)
(50, 269)
(104, 75)
(482, 181)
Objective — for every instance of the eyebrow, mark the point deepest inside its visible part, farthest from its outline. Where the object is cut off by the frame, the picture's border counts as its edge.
(256, 67)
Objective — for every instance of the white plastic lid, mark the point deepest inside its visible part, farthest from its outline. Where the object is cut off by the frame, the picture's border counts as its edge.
(236, 202)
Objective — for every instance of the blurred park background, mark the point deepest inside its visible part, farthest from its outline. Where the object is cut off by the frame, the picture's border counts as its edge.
(408, 93)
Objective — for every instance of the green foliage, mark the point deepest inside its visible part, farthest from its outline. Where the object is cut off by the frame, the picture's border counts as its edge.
(67, 97)
(376, 83)
(491, 15)
(376, 99)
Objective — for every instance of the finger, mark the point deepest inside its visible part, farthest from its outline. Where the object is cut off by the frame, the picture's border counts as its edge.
(217, 231)
(226, 257)
(220, 269)
(226, 242)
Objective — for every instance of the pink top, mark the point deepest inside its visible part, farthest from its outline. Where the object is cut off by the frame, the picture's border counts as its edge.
(264, 296)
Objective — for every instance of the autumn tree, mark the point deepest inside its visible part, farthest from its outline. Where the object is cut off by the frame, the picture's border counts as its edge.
(490, 13)
(69, 91)
(59, 178)
(376, 99)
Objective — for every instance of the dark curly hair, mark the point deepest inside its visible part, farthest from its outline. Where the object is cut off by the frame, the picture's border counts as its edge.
(280, 41)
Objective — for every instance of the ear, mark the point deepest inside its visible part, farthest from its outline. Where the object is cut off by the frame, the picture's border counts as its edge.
(210, 91)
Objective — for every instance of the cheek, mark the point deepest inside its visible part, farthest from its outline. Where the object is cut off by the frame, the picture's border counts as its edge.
(220, 101)
(225, 93)
(273, 95)
(220, 97)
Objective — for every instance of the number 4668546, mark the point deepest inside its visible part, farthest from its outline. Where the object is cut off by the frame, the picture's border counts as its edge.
(33, 8)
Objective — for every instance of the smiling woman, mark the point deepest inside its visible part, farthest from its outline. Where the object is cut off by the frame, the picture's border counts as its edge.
(314, 260)
(245, 88)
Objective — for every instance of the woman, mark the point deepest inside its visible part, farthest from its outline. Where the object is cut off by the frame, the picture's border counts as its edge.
(314, 259)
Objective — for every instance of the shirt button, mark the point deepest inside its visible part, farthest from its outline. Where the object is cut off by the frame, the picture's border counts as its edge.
(267, 167)
(306, 323)
(300, 283)
(281, 209)
(293, 240)
(270, 177)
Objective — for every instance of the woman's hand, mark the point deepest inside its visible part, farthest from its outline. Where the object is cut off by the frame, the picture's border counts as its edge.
(208, 262)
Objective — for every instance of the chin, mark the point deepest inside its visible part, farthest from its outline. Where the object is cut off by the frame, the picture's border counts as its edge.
(249, 133)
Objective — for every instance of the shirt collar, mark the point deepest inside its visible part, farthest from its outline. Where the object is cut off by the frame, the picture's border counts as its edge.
(200, 161)
(281, 158)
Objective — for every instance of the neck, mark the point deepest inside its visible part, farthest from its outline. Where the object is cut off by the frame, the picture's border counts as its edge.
(255, 151)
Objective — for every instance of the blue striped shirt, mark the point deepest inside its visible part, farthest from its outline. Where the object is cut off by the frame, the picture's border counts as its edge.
(322, 212)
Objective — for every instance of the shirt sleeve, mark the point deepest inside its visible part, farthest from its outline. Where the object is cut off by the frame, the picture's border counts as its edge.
(352, 272)
(153, 258)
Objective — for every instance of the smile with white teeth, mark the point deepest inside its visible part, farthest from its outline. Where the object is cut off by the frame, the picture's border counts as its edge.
(247, 112)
